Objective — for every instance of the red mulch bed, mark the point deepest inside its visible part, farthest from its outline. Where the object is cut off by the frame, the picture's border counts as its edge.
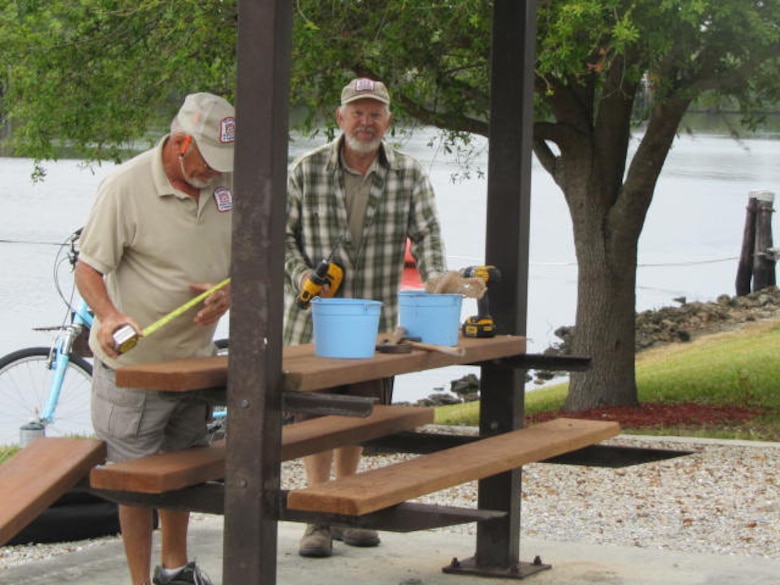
(659, 415)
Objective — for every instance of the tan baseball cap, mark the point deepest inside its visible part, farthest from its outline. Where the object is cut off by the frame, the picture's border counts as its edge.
(364, 88)
(211, 121)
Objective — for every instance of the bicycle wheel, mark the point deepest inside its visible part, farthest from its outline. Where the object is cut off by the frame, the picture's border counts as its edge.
(25, 383)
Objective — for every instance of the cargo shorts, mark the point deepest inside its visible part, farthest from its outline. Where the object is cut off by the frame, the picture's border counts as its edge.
(135, 422)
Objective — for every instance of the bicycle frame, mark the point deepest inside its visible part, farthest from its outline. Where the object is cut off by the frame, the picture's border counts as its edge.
(60, 356)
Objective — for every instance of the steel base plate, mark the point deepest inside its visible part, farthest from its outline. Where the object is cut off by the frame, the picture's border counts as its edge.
(519, 570)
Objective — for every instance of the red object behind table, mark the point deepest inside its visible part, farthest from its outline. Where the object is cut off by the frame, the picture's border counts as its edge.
(411, 279)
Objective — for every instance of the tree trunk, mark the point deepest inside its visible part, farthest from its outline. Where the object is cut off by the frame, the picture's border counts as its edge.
(605, 330)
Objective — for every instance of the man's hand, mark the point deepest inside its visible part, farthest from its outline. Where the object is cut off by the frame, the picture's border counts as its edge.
(93, 290)
(111, 324)
(324, 289)
(214, 306)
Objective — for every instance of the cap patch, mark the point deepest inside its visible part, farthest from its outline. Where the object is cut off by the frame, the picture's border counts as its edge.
(227, 130)
(364, 84)
(223, 198)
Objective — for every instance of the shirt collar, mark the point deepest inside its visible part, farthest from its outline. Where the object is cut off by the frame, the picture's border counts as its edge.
(162, 183)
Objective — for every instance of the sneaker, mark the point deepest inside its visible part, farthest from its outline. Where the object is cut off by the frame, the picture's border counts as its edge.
(356, 536)
(189, 574)
(316, 542)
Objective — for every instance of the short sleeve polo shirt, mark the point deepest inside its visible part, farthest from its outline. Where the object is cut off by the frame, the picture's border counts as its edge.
(151, 242)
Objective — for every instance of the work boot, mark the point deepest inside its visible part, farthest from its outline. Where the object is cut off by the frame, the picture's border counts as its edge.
(356, 536)
(317, 542)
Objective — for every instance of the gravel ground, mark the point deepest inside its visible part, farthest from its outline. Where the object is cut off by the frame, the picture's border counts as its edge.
(724, 498)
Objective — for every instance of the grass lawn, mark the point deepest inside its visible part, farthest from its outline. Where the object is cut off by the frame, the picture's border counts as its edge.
(734, 368)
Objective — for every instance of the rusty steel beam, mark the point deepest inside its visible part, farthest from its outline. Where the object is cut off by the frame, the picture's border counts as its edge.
(255, 368)
(507, 246)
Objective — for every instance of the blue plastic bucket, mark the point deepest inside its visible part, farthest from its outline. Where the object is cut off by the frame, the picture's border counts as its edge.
(434, 318)
(345, 328)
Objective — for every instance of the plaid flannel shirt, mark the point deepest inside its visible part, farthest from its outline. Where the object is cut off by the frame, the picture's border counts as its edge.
(401, 205)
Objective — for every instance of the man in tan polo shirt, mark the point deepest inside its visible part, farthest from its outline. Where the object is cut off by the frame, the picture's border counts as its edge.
(158, 235)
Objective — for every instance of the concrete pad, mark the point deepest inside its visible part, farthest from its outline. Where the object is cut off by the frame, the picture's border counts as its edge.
(417, 559)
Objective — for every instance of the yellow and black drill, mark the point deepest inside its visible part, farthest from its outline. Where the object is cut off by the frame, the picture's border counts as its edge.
(327, 273)
(482, 324)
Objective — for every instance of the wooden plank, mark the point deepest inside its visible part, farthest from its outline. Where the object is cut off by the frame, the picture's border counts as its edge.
(329, 432)
(155, 474)
(387, 486)
(306, 372)
(38, 475)
(166, 472)
(196, 373)
(303, 371)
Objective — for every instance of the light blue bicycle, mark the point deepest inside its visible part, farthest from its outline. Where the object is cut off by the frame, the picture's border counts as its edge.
(45, 391)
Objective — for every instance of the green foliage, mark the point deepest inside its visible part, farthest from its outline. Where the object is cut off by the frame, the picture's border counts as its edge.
(94, 75)
(432, 55)
(7, 452)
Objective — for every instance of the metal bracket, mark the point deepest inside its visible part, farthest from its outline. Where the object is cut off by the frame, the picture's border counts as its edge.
(539, 361)
(319, 403)
(405, 517)
(315, 403)
(518, 570)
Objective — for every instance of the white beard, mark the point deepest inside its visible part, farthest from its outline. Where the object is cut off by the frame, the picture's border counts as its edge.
(362, 147)
(190, 180)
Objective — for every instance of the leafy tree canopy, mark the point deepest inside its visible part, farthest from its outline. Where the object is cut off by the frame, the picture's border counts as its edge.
(99, 74)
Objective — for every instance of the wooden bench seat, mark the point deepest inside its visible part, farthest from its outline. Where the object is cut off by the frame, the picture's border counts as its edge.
(387, 486)
(165, 472)
(36, 476)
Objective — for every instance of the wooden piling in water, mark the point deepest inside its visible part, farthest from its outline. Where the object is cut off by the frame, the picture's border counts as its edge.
(756, 262)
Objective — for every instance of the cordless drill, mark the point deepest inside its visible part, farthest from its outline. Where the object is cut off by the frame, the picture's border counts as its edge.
(482, 324)
(327, 273)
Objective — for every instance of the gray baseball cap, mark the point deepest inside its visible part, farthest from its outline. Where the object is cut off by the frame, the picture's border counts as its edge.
(364, 88)
(211, 121)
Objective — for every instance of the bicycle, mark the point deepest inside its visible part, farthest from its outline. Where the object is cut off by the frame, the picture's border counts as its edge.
(46, 391)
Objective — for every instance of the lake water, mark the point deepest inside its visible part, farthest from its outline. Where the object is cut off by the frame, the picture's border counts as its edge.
(689, 247)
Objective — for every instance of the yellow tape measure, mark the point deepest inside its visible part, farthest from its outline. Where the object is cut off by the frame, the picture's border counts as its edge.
(126, 340)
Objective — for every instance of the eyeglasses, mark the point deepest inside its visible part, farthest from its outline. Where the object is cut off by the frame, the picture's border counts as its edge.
(206, 168)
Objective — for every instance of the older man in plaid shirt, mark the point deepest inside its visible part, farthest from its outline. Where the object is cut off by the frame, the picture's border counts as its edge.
(362, 199)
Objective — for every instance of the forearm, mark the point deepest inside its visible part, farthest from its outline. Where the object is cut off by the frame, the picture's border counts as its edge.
(92, 289)
(427, 244)
(295, 265)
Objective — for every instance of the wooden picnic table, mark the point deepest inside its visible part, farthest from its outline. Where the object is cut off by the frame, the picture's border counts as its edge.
(305, 374)
(303, 371)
